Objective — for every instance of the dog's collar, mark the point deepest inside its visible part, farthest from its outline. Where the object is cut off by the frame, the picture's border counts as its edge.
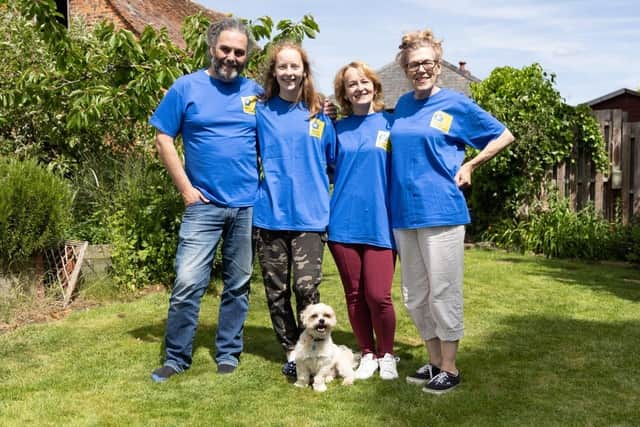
(318, 339)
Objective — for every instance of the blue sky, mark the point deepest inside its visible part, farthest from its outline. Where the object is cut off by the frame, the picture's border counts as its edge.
(592, 46)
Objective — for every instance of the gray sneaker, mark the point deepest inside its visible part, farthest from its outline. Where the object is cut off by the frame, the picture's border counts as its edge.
(423, 375)
(162, 374)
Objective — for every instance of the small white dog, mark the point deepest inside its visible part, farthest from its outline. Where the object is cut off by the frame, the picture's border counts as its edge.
(315, 353)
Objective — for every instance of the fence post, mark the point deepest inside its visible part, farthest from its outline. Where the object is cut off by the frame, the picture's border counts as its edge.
(625, 152)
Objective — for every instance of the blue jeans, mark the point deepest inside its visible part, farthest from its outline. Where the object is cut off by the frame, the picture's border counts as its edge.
(203, 225)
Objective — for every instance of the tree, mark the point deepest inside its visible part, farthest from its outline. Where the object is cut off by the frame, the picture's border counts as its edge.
(68, 94)
(80, 100)
(546, 130)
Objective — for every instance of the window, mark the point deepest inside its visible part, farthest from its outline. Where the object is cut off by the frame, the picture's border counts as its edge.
(62, 6)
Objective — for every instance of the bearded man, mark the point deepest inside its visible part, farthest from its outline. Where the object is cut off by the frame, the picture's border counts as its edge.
(214, 111)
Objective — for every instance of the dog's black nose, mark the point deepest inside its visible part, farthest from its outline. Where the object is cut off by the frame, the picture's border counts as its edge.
(321, 321)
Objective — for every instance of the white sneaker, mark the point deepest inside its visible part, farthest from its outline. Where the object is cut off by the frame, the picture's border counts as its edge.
(368, 366)
(388, 369)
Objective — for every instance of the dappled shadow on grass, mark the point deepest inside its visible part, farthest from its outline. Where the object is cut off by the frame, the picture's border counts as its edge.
(545, 361)
(532, 370)
(513, 260)
(258, 340)
(621, 280)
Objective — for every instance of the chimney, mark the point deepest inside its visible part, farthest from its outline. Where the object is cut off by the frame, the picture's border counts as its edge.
(463, 68)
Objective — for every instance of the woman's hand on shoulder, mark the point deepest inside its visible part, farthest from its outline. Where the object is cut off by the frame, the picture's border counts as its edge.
(329, 109)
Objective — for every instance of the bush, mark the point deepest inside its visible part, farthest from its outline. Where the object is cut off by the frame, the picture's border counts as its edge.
(628, 241)
(131, 204)
(547, 132)
(95, 182)
(555, 230)
(35, 210)
(142, 217)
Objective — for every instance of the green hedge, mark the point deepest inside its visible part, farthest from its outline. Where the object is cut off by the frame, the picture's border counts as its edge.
(35, 210)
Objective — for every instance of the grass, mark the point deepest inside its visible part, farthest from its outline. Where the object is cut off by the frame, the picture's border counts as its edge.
(547, 343)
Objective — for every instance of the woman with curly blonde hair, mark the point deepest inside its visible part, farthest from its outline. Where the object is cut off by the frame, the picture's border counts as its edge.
(291, 215)
(360, 236)
(431, 129)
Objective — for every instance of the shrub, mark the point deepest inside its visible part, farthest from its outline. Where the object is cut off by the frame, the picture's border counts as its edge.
(131, 204)
(95, 183)
(555, 230)
(628, 241)
(547, 132)
(142, 222)
(35, 210)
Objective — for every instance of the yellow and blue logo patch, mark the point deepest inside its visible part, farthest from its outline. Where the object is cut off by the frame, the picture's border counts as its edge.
(316, 127)
(249, 104)
(383, 141)
(442, 121)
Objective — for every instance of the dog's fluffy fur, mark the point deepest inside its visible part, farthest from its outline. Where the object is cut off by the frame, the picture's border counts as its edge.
(317, 356)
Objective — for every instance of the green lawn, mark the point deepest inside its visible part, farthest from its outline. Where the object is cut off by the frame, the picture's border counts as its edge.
(547, 343)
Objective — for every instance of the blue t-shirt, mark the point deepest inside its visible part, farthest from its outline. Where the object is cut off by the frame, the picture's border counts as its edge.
(218, 125)
(429, 138)
(360, 200)
(294, 150)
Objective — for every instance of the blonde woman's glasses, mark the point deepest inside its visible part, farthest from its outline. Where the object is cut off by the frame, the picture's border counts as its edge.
(427, 64)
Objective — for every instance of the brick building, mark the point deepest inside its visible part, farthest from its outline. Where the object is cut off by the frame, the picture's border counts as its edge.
(395, 83)
(134, 15)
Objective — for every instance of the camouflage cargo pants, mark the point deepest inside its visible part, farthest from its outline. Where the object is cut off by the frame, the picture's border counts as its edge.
(291, 262)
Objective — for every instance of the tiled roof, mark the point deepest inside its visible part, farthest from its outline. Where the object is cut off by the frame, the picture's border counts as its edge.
(395, 83)
(161, 13)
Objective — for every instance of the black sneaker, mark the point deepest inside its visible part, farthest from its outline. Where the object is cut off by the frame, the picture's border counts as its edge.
(423, 375)
(442, 383)
(289, 369)
(162, 374)
(225, 368)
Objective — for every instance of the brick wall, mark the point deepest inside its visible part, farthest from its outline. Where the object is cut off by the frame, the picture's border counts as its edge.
(93, 11)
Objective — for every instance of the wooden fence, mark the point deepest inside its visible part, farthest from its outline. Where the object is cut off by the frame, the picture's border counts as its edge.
(615, 193)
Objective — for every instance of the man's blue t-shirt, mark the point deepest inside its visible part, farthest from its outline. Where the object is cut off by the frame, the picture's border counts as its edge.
(429, 138)
(218, 126)
(294, 150)
(360, 200)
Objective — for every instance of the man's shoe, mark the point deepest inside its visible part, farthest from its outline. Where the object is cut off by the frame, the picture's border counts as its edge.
(289, 369)
(368, 366)
(423, 375)
(163, 373)
(225, 368)
(442, 383)
(388, 368)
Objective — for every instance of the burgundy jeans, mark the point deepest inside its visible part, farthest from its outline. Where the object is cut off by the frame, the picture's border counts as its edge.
(367, 274)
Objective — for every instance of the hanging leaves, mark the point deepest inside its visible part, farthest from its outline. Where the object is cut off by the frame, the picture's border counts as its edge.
(65, 93)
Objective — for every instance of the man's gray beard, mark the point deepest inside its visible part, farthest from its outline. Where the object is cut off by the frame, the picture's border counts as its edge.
(232, 75)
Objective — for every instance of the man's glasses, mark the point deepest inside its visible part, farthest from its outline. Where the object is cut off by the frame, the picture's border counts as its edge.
(427, 64)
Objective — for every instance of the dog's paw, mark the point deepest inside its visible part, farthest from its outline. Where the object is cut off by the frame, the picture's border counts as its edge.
(347, 381)
(319, 387)
(328, 378)
(300, 383)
